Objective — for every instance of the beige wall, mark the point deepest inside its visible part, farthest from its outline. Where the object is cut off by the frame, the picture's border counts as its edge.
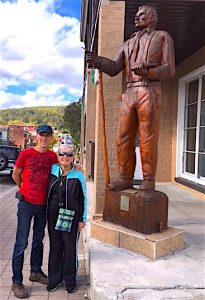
(110, 38)
(165, 134)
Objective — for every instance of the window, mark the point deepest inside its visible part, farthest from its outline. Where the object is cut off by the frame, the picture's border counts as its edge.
(191, 127)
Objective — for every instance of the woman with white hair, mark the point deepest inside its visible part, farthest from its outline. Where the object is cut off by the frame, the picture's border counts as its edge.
(66, 217)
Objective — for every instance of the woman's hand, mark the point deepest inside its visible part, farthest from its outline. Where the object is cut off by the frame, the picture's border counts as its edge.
(81, 225)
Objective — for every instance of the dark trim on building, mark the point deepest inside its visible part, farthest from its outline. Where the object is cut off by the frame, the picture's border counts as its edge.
(89, 21)
(195, 186)
(83, 23)
(92, 159)
(176, 17)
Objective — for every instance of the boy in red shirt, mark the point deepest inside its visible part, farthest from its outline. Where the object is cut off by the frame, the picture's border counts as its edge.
(31, 174)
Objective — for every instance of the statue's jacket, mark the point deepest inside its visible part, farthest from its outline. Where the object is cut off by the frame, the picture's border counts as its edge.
(158, 55)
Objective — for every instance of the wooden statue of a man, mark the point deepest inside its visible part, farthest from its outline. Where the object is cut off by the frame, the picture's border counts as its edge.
(147, 57)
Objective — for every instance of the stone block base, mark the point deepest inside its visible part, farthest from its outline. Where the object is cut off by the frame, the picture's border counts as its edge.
(151, 245)
(97, 216)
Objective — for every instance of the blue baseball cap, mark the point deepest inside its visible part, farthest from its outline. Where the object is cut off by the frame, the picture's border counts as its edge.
(45, 128)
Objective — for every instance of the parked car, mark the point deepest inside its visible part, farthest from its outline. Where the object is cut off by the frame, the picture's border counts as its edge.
(8, 157)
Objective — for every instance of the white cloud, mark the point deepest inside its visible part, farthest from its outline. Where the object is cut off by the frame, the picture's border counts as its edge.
(4, 82)
(45, 94)
(38, 45)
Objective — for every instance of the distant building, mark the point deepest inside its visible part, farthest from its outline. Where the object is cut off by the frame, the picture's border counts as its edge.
(3, 134)
(68, 140)
(22, 135)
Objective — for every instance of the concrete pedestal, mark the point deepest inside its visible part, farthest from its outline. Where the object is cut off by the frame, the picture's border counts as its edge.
(153, 246)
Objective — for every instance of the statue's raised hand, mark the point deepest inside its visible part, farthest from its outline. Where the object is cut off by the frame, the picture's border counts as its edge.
(91, 59)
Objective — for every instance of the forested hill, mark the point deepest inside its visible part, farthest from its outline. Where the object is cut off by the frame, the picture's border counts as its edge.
(52, 115)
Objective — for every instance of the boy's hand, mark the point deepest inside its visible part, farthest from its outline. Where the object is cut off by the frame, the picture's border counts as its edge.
(79, 168)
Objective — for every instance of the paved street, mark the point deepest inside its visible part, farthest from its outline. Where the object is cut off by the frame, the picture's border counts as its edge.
(7, 237)
(125, 275)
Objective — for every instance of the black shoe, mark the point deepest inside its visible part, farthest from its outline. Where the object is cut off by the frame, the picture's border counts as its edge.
(39, 277)
(19, 291)
(72, 289)
(51, 288)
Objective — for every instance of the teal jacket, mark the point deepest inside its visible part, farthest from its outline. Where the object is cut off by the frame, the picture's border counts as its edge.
(72, 174)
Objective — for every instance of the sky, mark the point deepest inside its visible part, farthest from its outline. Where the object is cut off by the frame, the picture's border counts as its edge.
(41, 56)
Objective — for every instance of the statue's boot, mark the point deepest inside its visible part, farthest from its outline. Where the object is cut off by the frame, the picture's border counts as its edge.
(121, 184)
(147, 185)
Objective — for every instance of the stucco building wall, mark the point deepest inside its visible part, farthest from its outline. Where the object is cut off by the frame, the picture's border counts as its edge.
(110, 38)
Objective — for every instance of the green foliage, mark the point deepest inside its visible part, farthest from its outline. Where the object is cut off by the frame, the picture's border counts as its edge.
(53, 142)
(72, 120)
(16, 122)
(2, 121)
(52, 115)
(68, 118)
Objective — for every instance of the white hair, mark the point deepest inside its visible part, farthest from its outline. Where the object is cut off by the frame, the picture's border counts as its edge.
(66, 148)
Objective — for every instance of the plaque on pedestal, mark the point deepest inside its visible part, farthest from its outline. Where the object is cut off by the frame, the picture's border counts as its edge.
(145, 212)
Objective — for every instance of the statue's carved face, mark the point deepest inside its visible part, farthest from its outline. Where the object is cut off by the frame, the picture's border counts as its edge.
(143, 19)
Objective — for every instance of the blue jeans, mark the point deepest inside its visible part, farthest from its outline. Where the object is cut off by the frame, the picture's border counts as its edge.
(27, 211)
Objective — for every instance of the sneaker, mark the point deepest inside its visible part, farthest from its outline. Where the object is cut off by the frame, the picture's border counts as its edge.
(39, 277)
(72, 289)
(19, 291)
(53, 288)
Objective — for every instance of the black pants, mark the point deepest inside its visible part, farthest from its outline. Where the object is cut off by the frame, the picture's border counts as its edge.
(62, 264)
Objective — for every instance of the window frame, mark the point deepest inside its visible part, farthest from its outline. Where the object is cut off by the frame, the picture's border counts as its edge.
(196, 74)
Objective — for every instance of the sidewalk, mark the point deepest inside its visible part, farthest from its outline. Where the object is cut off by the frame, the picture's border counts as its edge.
(7, 238)
(118, 274)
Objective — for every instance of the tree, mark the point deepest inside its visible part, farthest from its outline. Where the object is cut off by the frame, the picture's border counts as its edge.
(72, 120)
(53, 142)
(2, 121)
(51, 115)
(16, 122)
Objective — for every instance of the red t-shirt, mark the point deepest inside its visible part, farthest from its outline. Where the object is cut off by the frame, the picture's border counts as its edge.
(36, 167)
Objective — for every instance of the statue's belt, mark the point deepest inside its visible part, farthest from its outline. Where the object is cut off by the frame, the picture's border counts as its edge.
(142, 83)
